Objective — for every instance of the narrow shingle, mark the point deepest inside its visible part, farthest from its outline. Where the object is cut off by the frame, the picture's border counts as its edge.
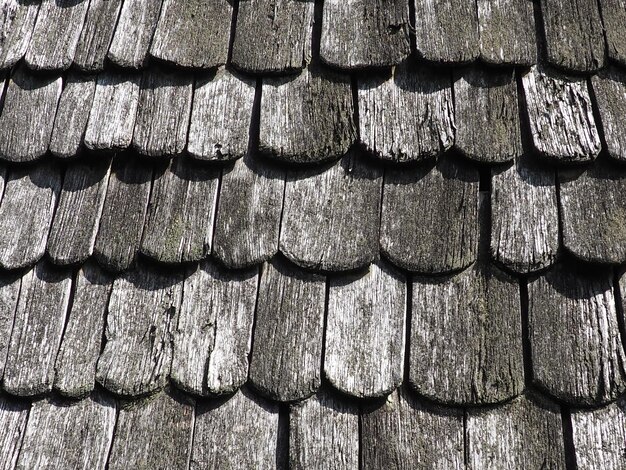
(609, 89)
(613, 19)
(17, 18)
(97, 34)
(9, 294)
(13, 416)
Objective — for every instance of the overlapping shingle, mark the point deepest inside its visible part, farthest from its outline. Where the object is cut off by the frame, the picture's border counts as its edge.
(18, 20)
(96, 34)
(613, 17)
(609, 88)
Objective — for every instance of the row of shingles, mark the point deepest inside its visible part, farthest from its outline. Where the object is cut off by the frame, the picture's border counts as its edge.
(169, 430)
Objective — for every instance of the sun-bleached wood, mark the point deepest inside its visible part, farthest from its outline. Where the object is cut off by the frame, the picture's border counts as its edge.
(407, 116)
(613, 19)
(10, 284)
(96, 34)
(13, 416)
(365, 331)
(214, 331)
(17, 18)
(609, 88)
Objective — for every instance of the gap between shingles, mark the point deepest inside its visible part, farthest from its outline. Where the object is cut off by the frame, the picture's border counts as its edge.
(526, 345)
(568, 439)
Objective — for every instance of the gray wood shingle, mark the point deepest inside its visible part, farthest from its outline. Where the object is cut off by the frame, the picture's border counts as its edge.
(13, 416)
(609, 89)
(17, 18)
(96, 34)
(613, 19)
(10, 284)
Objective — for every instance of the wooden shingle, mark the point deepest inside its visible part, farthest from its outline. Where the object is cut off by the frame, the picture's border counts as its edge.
(609, 88)
(17, 18)
(13, 416)
(96, 34)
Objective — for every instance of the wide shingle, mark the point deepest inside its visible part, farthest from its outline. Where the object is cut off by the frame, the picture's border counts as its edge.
(18, 20)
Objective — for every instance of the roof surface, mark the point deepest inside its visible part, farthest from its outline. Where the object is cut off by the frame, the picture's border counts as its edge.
(341, 234)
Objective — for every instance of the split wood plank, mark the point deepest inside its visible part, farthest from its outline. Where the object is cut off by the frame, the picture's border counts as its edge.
(82, 341)
(39, 322)
(17, 18)
(365, 331)
(214, 332)
(142, 316)
(96, 35)
(286, 357)
(75, 226)
(577, 354)
(408, 116)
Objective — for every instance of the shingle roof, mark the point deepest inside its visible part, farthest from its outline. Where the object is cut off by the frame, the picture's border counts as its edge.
(331, 234)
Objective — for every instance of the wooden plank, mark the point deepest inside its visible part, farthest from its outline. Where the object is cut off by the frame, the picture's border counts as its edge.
(153, 433)
(408, 116)
(286, 357)
(133, 33)
(324, 433)
(487, 115)
(72, 114)
(163, 113)
(248, 215)
(561, 117)
(24, 234)
(63, 434)
(574, 38)
(37, 330)
(507, 32)
(96, 35)
(212, 339)
(372, 33)
(525, 218)
(142, 316)
(112, 115)
(401, 432)
(613, 19)
(220, 116)
(56, 34)
(574, 336)
(365, 331)
(18, 20)
(179, 224)
(314, 103)
(447, 30)
(593, 212)
(599, 437)
(28, 115)
(609, 88)
(342, 201)
(237, 432)
(13, 416)
(75, 226)
(82, 341)
(9, 293)
(429, 219)
(193, 33)
(519, 434)
(273, 36)
(123, 214)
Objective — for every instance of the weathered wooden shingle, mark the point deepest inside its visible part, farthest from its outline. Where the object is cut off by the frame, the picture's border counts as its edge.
(249, 210)
(593, 212)
(446, 30)
(561, 117)
(163, 113)
(307, 118)
(286, 357)
(525, 219)
(133, 33)
(487, 115)
(39, 321)
(9, 294)
(575, 344)
(324, 433)
(401, 433)
(153, 433)
(519, 434)
(63, 434)
(507, 32)
(26, 213)
(599, 437)
(408, 116)
(17, 18)
(77, 217)
(28, 115)
(609, 87)
(370, 33)
(574, 38)
(123, 214)
(331, 215)
(56, 34)
(220, 116)
(72, 114)
(112, 115)
(613, 19)
(13, 416)
(82, 340)
(430, 216)
(273, 35)
(237, 432)
(212, 339)
(96, 35)
(179, 223)
(365, 331)
(142, 316)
